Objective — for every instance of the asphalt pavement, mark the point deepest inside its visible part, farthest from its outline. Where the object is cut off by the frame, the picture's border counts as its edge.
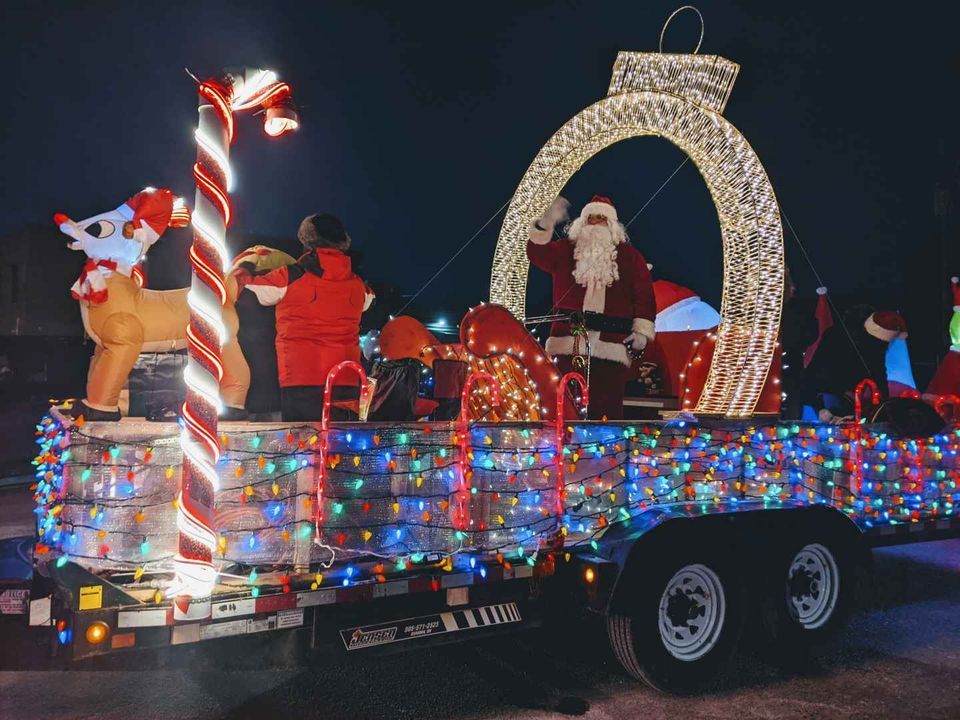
(899, 657)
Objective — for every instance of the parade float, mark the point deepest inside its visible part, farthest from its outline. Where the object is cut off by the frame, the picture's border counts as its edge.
(152, 534)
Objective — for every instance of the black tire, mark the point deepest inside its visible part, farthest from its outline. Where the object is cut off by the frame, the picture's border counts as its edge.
(810, 590)
(634, 627)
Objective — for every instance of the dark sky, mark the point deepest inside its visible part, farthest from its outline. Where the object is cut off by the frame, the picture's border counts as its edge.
(419, 118)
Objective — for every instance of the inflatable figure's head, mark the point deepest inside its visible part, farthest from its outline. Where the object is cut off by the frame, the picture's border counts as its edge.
(125, 234)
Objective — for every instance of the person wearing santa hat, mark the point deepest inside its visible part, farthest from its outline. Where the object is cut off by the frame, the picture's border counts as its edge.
(319, 301)
(597, 273)
(839, 362)
(946, 381)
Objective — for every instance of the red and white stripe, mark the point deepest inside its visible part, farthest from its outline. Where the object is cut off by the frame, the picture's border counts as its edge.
(194, 573)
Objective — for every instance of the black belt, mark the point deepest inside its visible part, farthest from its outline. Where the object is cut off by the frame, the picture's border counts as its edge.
(603, 323)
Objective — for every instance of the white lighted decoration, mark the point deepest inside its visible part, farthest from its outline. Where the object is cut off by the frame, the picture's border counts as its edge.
(680, 98)
(195, 575)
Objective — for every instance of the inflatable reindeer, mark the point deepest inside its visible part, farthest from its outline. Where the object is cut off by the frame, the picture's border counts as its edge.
(122, 317)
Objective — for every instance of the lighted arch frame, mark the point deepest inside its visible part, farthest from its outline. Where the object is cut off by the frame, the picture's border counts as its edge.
(680, 98)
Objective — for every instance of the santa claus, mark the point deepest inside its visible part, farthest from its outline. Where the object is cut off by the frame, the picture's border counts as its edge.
(599, 275)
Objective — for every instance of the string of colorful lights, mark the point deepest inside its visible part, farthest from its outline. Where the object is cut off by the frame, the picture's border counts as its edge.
(106, 499)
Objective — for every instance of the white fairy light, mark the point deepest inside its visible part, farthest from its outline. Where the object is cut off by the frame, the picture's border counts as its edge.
(210, 312)
(217, 154)
(680, 98)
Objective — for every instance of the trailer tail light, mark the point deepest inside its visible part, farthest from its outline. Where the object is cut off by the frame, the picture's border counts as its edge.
(64, 633)
(97, 632)
(596, 577)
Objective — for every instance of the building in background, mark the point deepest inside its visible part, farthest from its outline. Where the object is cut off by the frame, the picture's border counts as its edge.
(36, 272)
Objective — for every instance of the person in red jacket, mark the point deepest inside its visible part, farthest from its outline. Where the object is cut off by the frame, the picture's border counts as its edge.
(318, 302)
(597, 273)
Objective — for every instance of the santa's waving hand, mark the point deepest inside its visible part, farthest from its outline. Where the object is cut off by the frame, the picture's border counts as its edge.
(598, 273)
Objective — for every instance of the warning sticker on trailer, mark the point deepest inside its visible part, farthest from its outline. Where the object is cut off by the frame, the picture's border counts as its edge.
(289, 618)
(14, 602)
(366, 636)
(91, 597)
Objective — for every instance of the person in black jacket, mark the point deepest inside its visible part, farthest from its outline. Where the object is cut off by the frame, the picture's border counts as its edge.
(843, 360)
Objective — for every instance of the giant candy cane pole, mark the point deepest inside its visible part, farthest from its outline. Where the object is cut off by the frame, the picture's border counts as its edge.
(195, 575)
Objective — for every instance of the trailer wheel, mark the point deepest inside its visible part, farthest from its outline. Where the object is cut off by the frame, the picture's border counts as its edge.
(810, 593)
(681, 623)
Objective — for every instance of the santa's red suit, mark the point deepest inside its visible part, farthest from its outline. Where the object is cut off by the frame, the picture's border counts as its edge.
(597, 272)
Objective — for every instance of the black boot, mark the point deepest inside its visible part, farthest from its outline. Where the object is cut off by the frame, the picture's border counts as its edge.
(233, 414)
(89, 414)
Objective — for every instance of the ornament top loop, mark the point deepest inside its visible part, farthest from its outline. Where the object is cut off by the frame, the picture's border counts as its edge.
(673, 15)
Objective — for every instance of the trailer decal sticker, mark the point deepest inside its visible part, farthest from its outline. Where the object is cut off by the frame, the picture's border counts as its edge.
(142, 618)
(181, 634)
(91, 597)
(289, 618)
(366, 636)
(262, 624)
(40, 612)
(321, 597)
(360, 638)
(215, 630)
(14, 602)
(233, 608)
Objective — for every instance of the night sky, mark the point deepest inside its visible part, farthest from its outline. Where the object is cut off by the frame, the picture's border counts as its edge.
(418, 120)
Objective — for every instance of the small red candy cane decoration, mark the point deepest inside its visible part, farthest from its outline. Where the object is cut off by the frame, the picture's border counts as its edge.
(194, 573)
(325, 428)
(953, 401)
(463, 439)
(858, 396)
(558, 429)
(910, 393)
(858, 430)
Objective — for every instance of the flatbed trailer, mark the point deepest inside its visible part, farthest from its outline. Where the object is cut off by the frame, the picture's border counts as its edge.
(678, 533)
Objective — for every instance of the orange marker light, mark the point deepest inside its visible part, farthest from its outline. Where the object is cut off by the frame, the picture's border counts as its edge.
(97, 632)
(589, 575)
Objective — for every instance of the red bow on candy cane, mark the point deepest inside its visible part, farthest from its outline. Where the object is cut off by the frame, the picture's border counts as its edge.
(91, 286)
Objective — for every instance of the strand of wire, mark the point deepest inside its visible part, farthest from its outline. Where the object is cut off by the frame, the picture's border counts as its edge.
(836, 311)
(455, 255)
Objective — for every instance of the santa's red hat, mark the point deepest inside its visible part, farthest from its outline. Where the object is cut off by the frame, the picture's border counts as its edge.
(600, 205)
(886, 325)
(955, 286)
(680, 309)
(151, 210)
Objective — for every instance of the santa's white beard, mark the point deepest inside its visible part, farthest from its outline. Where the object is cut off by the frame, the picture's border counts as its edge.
(595, 256)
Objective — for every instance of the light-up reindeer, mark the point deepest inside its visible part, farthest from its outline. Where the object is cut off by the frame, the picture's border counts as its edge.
(122, 317)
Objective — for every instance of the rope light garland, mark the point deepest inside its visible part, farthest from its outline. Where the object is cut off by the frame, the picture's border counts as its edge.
(194, 572)
(681, 98)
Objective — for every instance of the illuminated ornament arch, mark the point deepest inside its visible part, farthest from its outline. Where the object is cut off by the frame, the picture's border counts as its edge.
(681, 98)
